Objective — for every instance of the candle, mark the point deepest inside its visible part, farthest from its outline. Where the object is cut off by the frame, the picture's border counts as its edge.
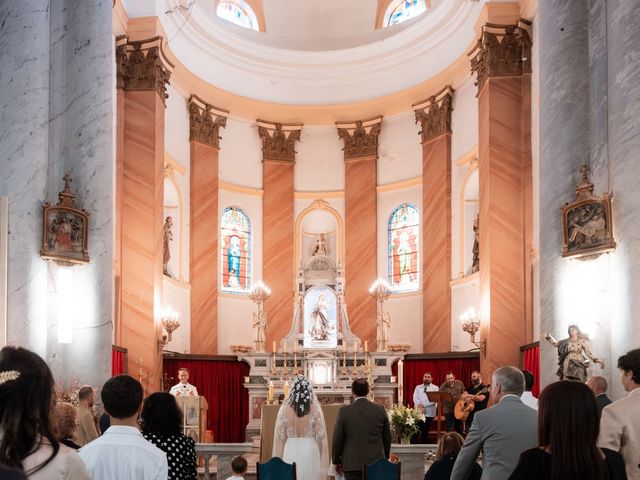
(270, 396)
(285, 389)
(355, 347)
(295, 346)
(400, 372)
(366, 345)
(274, 347)
(285, 348)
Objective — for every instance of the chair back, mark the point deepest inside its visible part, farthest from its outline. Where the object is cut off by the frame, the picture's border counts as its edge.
(276, 469)
(381, 469)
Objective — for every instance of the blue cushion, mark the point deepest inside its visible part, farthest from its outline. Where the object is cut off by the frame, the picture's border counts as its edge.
(276, 469)
(382, 469)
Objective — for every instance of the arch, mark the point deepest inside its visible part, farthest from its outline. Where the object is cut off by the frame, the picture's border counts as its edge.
(399, 11)
(238, 12)
(403, 230)
(235, 250)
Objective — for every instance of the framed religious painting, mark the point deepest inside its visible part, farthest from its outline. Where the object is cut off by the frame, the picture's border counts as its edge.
(65, 229)
(587, 226)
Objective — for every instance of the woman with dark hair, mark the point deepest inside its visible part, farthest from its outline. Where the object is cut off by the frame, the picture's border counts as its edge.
(568, 428)
(448, 449)
(161, 424)
(300, 433)
(27, 441)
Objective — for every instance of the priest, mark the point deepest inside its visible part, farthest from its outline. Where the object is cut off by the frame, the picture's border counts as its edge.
(183, 388)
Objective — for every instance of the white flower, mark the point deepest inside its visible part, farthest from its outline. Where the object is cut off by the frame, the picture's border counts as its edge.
(410, 421)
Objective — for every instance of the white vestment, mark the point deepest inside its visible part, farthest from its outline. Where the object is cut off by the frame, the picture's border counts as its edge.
(184, 390)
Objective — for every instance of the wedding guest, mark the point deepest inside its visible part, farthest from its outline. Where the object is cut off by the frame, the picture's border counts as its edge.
(105, 422)
(66, 417)
(568, 427)
(448, 449)
(27, 440)
(527, 397)
(11, 474)
(598, 386)
(161, 424)
(238, 467)
(87, 430)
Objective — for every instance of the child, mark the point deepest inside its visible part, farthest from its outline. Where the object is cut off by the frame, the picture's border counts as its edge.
(239, 467)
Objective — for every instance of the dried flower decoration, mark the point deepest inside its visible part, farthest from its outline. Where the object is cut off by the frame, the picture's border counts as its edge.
(9, 376)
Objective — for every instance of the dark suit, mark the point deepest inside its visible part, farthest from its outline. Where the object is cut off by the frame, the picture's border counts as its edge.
(602, 400)
(362, 435)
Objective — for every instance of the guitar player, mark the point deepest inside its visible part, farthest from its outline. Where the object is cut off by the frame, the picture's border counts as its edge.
(477, 392)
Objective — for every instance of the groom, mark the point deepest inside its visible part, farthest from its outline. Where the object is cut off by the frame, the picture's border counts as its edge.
(362, 433)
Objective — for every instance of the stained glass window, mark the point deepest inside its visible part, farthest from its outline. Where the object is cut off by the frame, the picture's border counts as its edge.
(235, 242)
(238, 12)
(404, 234)
(402, 11)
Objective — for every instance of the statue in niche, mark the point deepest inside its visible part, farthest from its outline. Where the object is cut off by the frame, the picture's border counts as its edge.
(167, 237)
(572, 364)
(259, 328)
(384, 323)
(319, 320)
(320, 247)
(475, 265)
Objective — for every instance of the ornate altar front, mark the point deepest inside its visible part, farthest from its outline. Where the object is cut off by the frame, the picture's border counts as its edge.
(319, 345)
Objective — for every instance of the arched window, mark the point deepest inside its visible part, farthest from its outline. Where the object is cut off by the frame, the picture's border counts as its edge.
(403, 10)
(404, 237)
(235, 246)
(237, 12)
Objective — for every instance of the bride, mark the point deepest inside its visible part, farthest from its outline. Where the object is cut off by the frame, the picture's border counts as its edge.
(300, 433)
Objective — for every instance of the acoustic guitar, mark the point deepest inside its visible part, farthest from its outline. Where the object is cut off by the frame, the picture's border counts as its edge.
(463, 407)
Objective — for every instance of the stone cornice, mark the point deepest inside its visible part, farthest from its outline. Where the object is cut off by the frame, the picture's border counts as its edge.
(360, 138)
(278, 141)
(205, 121)
(501, 50)
(434, 114)
(142, 65)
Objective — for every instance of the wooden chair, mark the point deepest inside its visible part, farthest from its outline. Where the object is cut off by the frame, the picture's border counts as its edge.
(276, 469)
(381, 469)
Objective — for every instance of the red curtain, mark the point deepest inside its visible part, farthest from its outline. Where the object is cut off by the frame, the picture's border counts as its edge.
(531, 362)
(117, 362)
(221, 383)
(414, 369)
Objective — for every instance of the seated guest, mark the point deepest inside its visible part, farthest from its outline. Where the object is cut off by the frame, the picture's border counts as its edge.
(502, 432)
(66, 417)
(238, 467)
(183, 388)
(27, 441)
(122, 452)
(598, 386)
(161, 424)
(87, 430)
(527, 397)
(448, 449)
(568, 426)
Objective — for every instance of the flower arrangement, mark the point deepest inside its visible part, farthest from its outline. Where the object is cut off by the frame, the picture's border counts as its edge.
(404, 421)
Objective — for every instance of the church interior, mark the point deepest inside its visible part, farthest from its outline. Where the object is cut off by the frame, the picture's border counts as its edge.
(255, 189)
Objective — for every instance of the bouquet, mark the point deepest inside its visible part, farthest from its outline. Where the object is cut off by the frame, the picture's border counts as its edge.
(404, 421)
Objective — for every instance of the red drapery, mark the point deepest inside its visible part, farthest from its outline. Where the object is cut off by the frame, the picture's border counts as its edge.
(221, 383)
(531, 362)
(414, 369)
(117, 362)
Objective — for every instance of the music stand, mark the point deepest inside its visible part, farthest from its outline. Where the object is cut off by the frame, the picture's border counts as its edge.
(439, 398)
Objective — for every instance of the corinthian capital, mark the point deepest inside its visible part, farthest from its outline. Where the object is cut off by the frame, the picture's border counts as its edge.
(205, 121)
(278, 141)
(360, 137)
(434, 114)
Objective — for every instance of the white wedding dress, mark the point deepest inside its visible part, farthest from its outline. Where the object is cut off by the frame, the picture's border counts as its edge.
(303, 440)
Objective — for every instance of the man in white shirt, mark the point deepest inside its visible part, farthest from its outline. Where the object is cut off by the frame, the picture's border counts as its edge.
(122, 452)
(527, 397)
(620, 423)
(422, 403)
(183, 388)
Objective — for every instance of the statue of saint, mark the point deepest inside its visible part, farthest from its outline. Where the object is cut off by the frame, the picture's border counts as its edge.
(475, 266)
(572, 364)
(167, 237)
(260, 328)
(384, 322)
(319, 320)
(321, 246)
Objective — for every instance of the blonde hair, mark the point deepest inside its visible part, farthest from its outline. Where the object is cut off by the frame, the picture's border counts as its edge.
(65, 417)
(449, 445)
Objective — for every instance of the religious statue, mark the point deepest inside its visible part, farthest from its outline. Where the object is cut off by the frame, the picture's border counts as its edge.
(475, 265)
(321, 246)
(233, 262)
(167, 237)
(572, 364)
(384, 322)
(260, 328)
(319, 320)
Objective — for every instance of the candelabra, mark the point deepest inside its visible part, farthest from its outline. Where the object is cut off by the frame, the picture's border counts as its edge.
(170, 323)
(471, 325)
(258, 294)
(381, 290)
(343, 371)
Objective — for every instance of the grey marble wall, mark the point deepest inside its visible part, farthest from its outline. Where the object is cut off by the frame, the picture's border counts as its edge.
(590, 113)
(56, 107)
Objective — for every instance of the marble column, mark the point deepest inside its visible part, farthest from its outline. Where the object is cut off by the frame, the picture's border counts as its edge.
(434, 116)
(504, 148)
(142, 75)
(278, 154)
(361, 206)
(57, 114)
(564, 146)
(204, 135)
